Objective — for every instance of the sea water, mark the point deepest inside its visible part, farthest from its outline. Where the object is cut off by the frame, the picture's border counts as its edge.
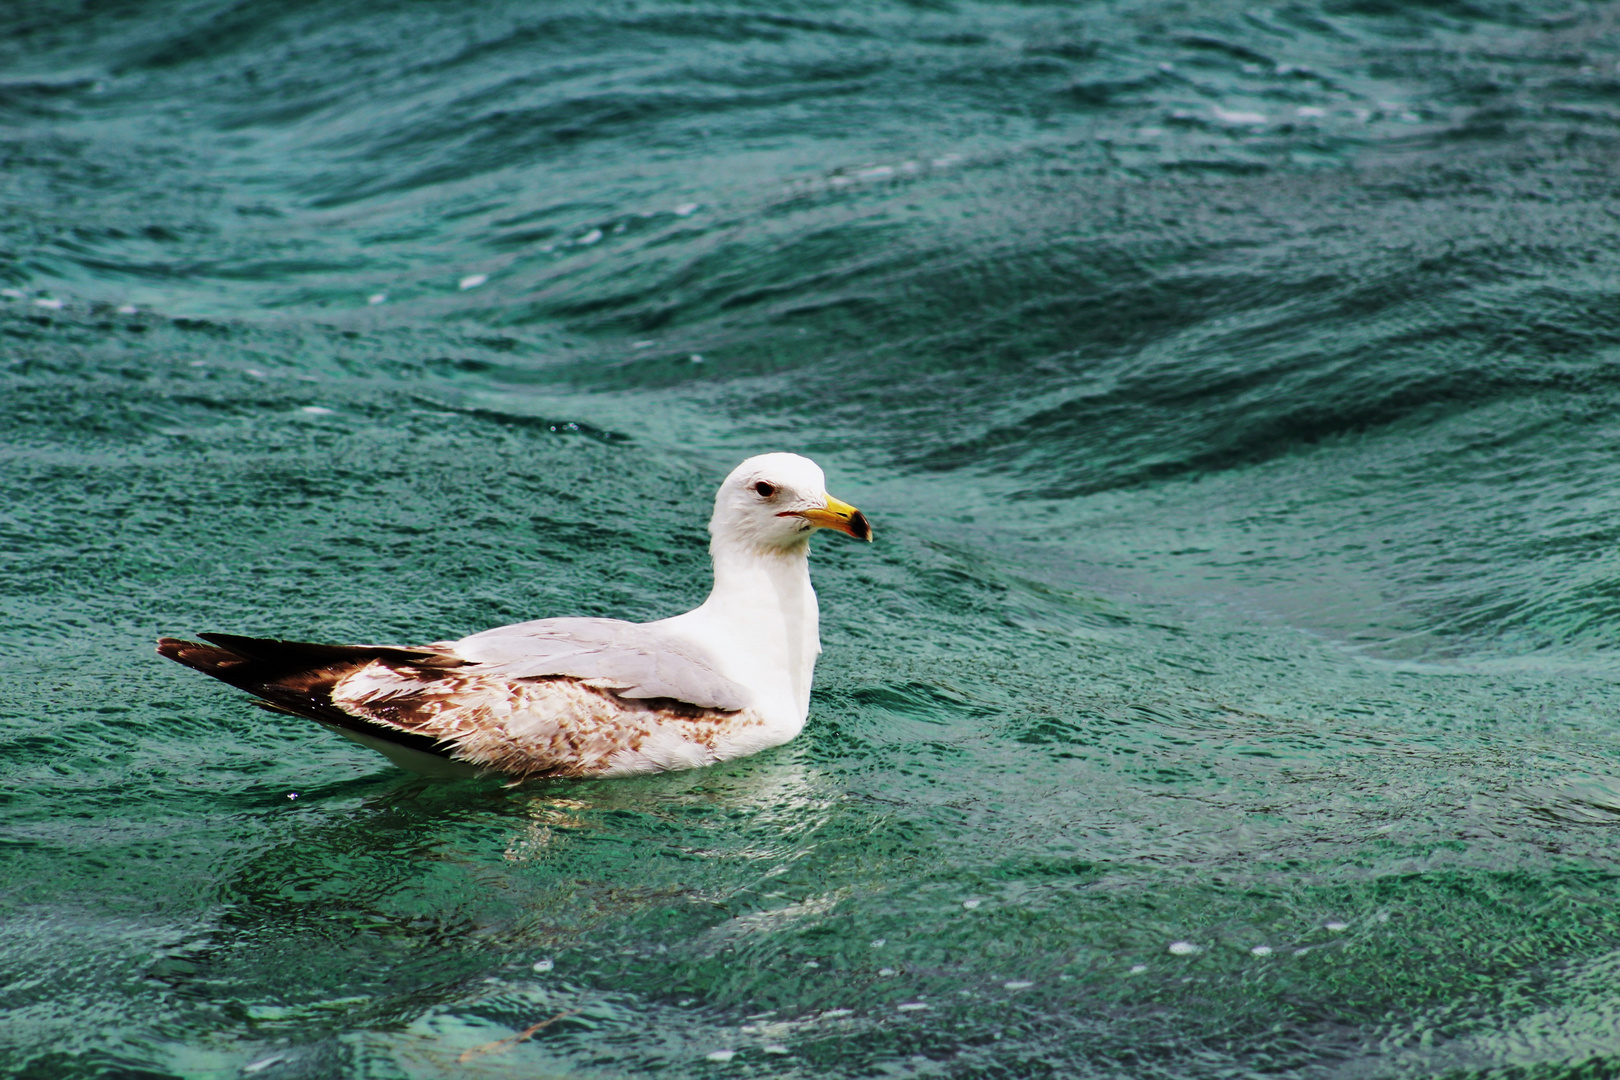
(1231, 689)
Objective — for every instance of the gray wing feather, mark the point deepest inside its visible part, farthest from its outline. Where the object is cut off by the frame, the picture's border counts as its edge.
(634, 660)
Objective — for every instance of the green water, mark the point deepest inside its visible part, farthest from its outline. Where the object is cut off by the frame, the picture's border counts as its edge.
(1231, 690)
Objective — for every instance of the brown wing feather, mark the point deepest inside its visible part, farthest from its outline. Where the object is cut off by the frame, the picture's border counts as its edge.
(438, 704)
(298, 677)
(554, 726)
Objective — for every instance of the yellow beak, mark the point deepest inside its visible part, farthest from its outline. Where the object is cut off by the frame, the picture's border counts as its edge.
(841, 516)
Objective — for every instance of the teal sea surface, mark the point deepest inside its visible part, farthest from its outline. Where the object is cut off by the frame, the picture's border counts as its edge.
(1233, 687)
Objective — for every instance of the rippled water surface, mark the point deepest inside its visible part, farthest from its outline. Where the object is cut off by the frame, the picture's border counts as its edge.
(1231, 690)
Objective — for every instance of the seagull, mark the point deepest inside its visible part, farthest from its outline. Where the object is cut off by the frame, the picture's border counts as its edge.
(578, 697)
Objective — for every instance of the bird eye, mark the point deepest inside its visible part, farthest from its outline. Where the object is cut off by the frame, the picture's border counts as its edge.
(765, 490)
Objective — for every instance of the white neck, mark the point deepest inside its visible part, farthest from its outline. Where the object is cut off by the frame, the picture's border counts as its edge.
(762, 620)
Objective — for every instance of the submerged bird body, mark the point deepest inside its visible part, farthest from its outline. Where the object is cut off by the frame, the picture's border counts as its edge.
(586, 697)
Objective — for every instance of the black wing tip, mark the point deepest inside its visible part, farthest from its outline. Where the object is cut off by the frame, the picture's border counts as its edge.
(209, 659)
(313, 653)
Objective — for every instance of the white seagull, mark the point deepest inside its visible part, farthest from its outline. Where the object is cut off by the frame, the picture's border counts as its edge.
(586, 697)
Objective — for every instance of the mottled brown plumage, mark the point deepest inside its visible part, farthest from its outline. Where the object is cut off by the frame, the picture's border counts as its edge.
(437, 704)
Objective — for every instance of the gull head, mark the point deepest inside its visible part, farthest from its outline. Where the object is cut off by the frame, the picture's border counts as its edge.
(775, 501)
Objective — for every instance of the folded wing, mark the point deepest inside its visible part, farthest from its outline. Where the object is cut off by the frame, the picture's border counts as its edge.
(633, 660)
(552, 697)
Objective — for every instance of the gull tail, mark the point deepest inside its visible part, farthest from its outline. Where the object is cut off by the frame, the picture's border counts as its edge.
(297, 678)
